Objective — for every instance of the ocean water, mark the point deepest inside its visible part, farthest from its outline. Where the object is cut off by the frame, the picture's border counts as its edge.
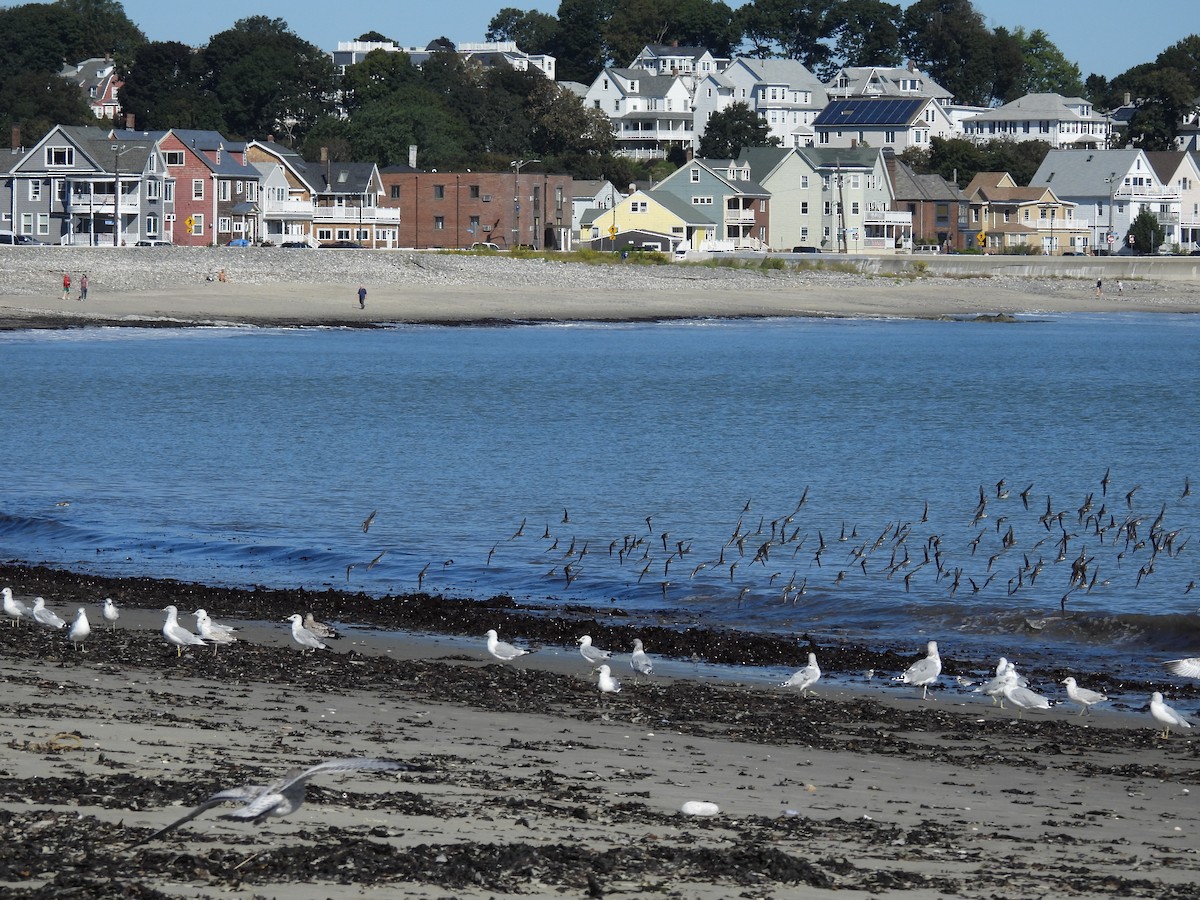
(819, 476)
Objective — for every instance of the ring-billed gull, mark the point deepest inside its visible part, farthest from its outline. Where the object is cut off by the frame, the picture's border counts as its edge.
(606, 682)
(282, 797)
(320, 629)
(46, 617)
(1189, 668)
(1166, 715)
(502, 650)
(1022, 697)
(639, 661)
(806, 677)
(593, 655)
(176, 633)
(110, 612)
(923, 672)
(80, 629)
(302, 636)
(13, 608)
(1083, 696)
(211, 631)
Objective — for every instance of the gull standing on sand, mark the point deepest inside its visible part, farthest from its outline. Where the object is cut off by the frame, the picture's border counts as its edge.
(46, 617)
(80, 629)
(176, 633)
(593, 655)
(1020, 696)
(211, 631)
(639, 661)
(806, 677)
(607, 683)
(320, 629)
(1166, 715)
(280, 798)
(502, 650)
(110, 613)
(1188, 668)
(302, 636)
(15, 609)
(923, 672)
(1084, 697)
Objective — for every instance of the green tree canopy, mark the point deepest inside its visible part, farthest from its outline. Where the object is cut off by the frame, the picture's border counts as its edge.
(731, 129)
(949, 40)
(378, 76)
(1146, 232)
(532, 31)
(795, 29)
(163, 89)
(868, 34)
(958, 160)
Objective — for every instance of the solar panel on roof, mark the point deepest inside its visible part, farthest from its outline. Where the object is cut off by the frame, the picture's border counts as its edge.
(872, 111)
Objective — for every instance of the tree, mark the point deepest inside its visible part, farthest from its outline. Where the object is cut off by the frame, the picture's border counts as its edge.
(562, 125)
(1038, 68)
(267, 80)
(382, 132)
(796, 29)
(731, 129)
(163, 89)
(1145, 234)
(868, 34)
(99, 28)
(36, 101)
(378, 76)
(949, 40)
(1164, 97)
(532, 31)
(689, 23)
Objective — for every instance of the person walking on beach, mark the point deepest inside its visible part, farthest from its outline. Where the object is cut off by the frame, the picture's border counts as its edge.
(362, 297)
(1120, 288)
(83, 286)
(1099, 287)
(66, 286)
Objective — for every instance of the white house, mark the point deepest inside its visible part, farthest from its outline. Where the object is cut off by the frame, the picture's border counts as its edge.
(1063, 122)
(885, 81)
(785, 94)
(1180, 172)
(649, 113)
(665, 59)
(594, 195)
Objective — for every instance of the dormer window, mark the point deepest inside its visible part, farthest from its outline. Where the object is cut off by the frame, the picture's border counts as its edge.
(60, 156)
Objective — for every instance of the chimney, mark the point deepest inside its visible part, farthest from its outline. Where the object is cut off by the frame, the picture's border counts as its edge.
(16, 137)
(130, 119)
(270, 138)
(912, 66)
(324, 154)
(412, 156)
(1128, 98)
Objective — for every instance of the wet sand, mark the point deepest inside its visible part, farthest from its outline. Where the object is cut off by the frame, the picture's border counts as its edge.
(532, 785)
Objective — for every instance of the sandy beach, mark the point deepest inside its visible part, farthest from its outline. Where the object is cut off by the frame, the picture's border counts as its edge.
(526, 780)
(180, 286)
(529, 783)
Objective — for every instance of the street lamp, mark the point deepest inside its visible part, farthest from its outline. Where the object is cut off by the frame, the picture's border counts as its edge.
(118, 150)
(517, 165)
(1112, 190)
(1051, 208)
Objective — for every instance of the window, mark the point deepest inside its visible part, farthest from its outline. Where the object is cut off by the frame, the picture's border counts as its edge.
(251, 190)
(889, 137)
(804, 207)
(152, 189)
(439, 192)
(197, 188)
(804, 182)
(439, 223)
(695, 176)
(804, 233)
(638, 206)
(35, 190)
(198, 223)
(824, 137)
(828, 208)
(324, 234)
(854, 207)
(26, 223)
(43, 223)
(343, 234)
(223, 225)
(473, 191)
(60, 156)
(152, 163)
(151, 226)
(702, 201)
(473, 227)
(223, 192)
(395, 192)
(169, 191)
(174, 157)
(363, 234)
(239, 189)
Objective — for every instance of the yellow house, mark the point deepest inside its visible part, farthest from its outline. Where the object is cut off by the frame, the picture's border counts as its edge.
(650, 220)
(1007, 217)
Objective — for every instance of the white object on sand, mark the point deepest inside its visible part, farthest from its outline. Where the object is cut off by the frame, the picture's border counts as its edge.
(1022, 697)
(806, 677)
(923, 672)
(80, 629)
(280, 798)
(1083, 696)
(211, 631)
(502, 650)
(46, 617)
(593, 655)
(15, 609)
(606, 682)
(176, 633)
(700, 808)
(110, 612)
(639, 661)
(302, 635)
(1166, 715)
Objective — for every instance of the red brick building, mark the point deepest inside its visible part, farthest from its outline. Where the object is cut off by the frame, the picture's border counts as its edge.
(457, 209)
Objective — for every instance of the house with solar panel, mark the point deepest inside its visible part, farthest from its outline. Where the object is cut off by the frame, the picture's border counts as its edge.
(895, 122)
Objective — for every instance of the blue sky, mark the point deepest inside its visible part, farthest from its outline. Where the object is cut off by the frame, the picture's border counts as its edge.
(1104, 36)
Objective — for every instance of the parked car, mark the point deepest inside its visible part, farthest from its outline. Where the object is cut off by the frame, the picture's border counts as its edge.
(485, 245)
(296, 245)
(153, 243)
(19, 240)
(806, 249)
(341, 245)
(238, 242)
(1073, 253)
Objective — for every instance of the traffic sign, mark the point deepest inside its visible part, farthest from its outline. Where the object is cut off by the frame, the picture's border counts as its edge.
(612, 231)
(1112, 238)
(190, 222)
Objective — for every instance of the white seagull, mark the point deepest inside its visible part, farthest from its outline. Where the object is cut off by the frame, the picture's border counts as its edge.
(502, 650)
(1020, 696)
(806, 677)
(280, 798)
(80, 629)
(593, 655)
(1189, 668)
(1166, 715)
(606, 682)
(923, 672)
(13, 608)
(46, 617)
(110, 612)
(1084, 697)
(211, 631)
(639, 661)
(176, 633)
(302, 636)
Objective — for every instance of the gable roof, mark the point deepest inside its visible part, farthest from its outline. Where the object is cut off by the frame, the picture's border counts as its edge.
(884, 81)
(998, 187)
(908, 185)
(858, 111)
(1038, 106)
(1084, 173)
(841, 157)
